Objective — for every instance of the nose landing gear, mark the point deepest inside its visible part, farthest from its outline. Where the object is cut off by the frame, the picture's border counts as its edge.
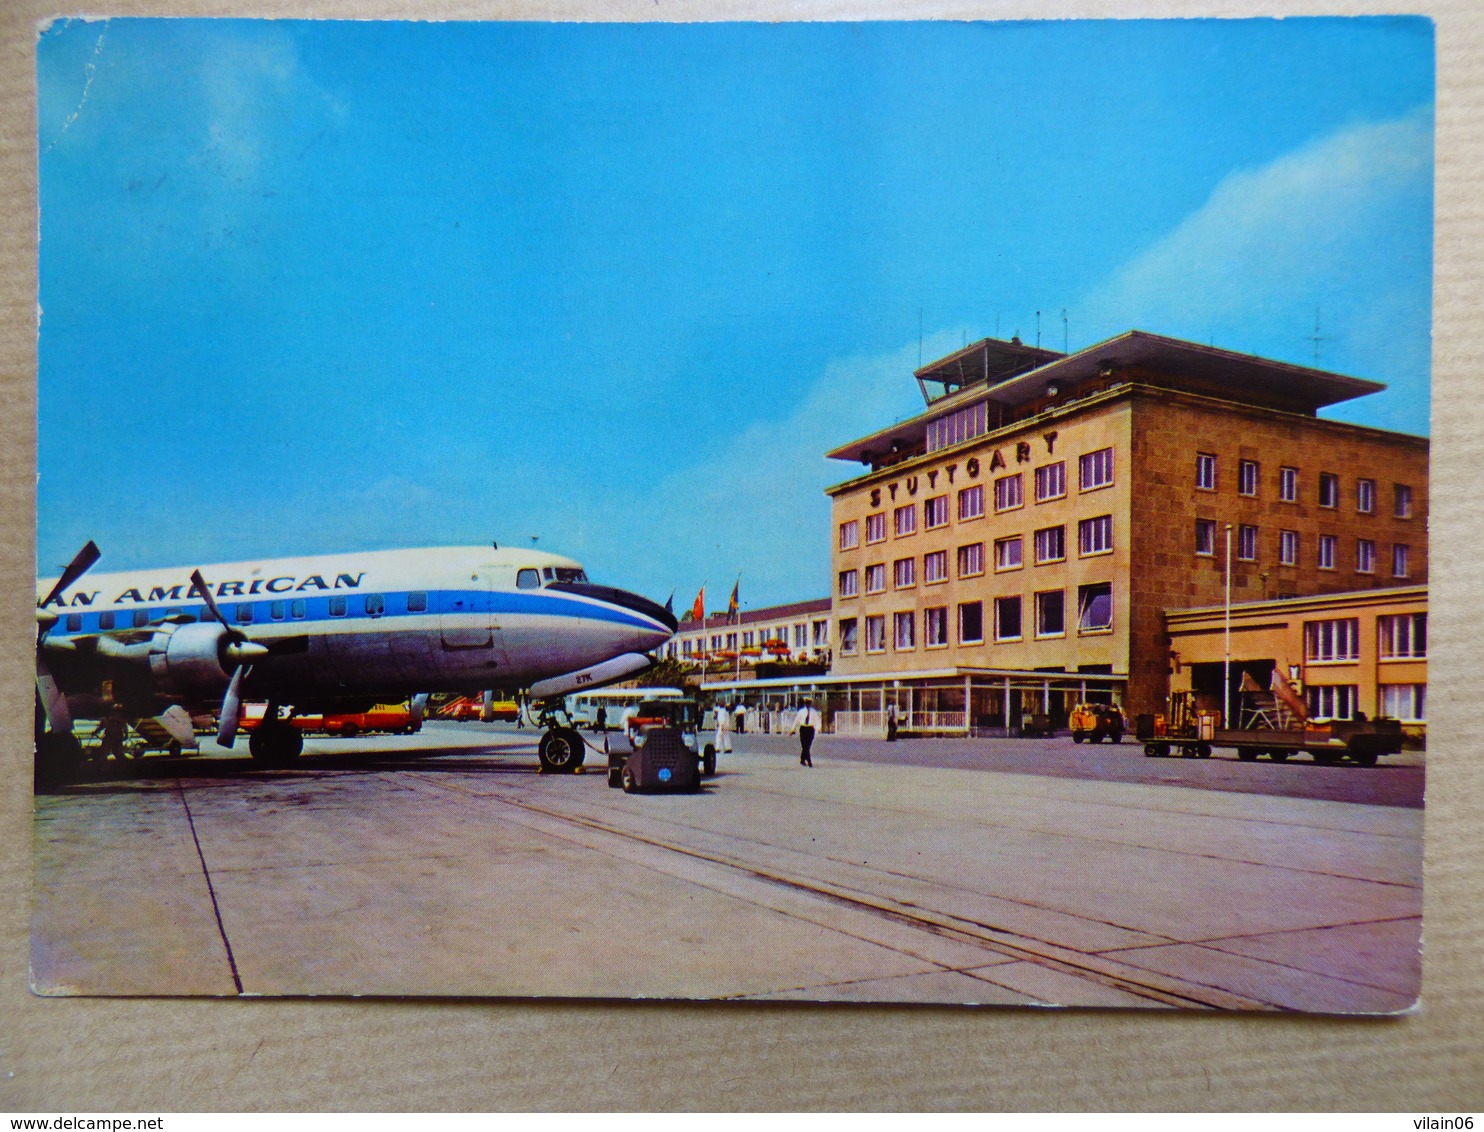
(561, 749)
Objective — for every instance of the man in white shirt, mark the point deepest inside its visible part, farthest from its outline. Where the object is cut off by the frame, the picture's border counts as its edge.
(723, 730)
(809, 722)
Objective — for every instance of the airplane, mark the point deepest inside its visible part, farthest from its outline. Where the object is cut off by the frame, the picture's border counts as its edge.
(329, 633)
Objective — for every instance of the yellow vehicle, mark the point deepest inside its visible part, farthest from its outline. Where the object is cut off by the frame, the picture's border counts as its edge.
(1096, 722)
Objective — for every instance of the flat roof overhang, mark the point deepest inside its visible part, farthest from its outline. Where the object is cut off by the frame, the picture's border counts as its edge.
(879, 678)
(1206, 370)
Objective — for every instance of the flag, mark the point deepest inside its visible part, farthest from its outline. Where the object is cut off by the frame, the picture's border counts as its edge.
(732, 605)
(698, 607)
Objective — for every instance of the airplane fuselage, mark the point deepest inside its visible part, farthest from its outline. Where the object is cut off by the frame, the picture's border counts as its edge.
(376, 623)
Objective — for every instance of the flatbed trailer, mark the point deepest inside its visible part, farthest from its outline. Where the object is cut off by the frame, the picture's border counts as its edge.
(1361, 742)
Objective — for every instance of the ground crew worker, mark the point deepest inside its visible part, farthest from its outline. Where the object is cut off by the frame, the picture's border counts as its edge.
(723, 730)
(113, 727)
(809, 722)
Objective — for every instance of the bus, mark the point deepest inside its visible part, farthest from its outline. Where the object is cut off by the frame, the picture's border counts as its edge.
(619, 702)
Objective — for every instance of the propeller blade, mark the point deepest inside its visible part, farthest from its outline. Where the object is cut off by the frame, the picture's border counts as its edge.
(80, 565)
(419, 707)
(205, 591)
(226, 730)
(53, 703)
(487, 707)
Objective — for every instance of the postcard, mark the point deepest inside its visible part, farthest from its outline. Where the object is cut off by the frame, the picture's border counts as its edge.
(901, 512)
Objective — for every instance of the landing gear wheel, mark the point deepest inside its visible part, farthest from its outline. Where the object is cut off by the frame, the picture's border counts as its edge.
(561, 751)
(275, 744)
(1279, 756)
(1247, 754)
(708, 760)
(626, 780)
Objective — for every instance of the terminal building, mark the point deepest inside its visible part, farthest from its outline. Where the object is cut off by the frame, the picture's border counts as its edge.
(1015, 547)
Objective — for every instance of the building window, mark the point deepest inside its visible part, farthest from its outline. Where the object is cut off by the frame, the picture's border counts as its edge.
(1403, 500)
(749, 638)
(1365, 556)
(1401, 555)
(1327, 552)
(1332, 701)
(1051, 614)
(850, 583)
(904, 630)
(971, 502)
(1288, 548)
(1007, 553)
(732, 641)
(1247, 543)
(876, 633)
(971, 560)
(821, 634)
(801, 635)
(1405, 702)
(1205, 536)
(1205, 471)
(876, 578)
(876, 527)
(1329, 489)
(935, 626)
(935, 512)
(1007, 618)
(1247, 477)
(971, 623)
(1095, 536)
(1402, 636)
(848, 641)
(715, 641)
(1288, 485)
(1096, 469)
(1365, 496)
(935, 567)
(1095, 608)
(850, 534)
(1051, 544)
(1051, 481)
(1332, 640)
(904, 520)
(956, 427)
(904, 573)
(1007, 493)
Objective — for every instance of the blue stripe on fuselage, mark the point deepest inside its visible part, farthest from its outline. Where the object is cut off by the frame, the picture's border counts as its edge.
(317, 609)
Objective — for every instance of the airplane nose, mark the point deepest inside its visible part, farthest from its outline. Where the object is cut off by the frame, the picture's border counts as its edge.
(625, 599)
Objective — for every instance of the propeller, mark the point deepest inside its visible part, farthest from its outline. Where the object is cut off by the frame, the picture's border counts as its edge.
(53, 702)
(241, 652)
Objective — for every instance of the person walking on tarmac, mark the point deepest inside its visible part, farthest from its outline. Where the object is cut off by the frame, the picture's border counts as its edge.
(723, 730)
(809, 722)
(600, 725)
(891, 723)
(113, 727)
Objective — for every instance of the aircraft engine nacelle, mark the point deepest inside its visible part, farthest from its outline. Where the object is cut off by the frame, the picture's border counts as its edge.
(191, 659)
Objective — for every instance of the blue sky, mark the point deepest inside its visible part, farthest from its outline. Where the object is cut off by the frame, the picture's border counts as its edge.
(320, 286)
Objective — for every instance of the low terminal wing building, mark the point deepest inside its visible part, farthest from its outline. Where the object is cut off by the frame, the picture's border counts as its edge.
(1015, 547)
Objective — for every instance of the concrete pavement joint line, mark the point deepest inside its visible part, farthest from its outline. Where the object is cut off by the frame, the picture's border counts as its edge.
(210, 889)
(1072, 836)
(1092, 968)
(542, 827)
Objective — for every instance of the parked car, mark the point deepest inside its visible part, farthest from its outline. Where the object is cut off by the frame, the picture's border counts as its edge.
(1096, 722)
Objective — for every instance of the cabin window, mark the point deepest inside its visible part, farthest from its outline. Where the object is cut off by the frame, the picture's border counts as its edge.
(375, 605)
(277, 610)
(528, 579)
(337, 607)
(417, 601)
(74, 622)
(141, 618)
(298, 609)
(244, 613)
(105, 619)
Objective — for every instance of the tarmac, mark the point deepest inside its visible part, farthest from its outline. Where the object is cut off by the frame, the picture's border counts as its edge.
(443, 864)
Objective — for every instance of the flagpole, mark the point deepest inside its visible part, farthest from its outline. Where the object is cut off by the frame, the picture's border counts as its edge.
(737, 628)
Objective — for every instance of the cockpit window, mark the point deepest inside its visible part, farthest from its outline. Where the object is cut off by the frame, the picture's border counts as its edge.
(567, 574)
(548, 573)
(528, 579)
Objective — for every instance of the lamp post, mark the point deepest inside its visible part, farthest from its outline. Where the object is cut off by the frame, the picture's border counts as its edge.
(1226, 672)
